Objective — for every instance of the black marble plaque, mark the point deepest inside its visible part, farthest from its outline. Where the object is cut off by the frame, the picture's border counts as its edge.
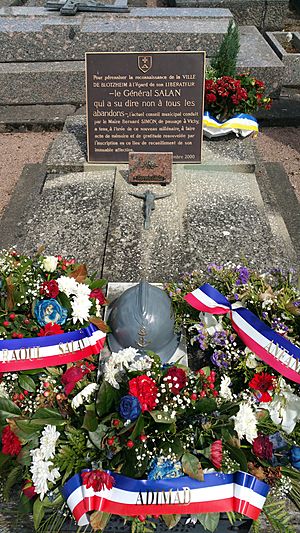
(144, 102)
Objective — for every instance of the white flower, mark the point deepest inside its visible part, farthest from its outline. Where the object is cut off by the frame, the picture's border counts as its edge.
(251, 361)
(81, 309)
(211, 323)
(245, 423)
(50, 263)
(225, 391)
(41, 474)
(67, 285)
(82, 290)
(284, 409)
(126, 359)
(3, 391)
(83, 395)
(48, 441)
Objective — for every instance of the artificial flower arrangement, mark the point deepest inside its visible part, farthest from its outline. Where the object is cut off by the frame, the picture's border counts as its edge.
(84, 435)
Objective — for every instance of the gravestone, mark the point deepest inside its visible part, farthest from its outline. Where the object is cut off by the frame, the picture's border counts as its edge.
(150, 102)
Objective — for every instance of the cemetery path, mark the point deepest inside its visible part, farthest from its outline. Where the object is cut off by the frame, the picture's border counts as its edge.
(17, 150)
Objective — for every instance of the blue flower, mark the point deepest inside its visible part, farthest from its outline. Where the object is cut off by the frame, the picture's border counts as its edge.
(130, 407)
(295, 456)
(164, 468)
(50, 311)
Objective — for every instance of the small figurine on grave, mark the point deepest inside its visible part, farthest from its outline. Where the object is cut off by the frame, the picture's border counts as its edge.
(149, 203)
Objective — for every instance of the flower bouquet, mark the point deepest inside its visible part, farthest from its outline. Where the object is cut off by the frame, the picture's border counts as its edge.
(152, 442)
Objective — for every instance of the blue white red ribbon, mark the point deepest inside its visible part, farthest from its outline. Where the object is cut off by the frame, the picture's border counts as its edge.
(269, 346)
(54, 350)
(239, 492)
(241, 124)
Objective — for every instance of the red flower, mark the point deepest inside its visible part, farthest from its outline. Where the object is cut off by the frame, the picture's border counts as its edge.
(98, 480)
(11, 445)
(178, 379)
(262, 447)
(210, 97)
(145, 389)
(49, 288)
(98, 294)
(28, 489)
(216, 453)
(50, 329)
(263, 382)
(72, 376)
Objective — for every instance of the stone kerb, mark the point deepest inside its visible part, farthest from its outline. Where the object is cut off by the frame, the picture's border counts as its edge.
(291, 60)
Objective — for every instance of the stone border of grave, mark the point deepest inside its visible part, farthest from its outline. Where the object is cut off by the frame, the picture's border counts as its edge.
(291, 60)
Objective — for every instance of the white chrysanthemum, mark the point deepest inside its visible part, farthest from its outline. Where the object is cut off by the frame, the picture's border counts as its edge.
(67, 285)
(284, 409)
(110, 375)
(245, 423)
(251, 361)
(143, 363)
(126, 359)
(84, 395)
(41, 474)
(50, 263)
(225, 391)
(81, 309)
(48, 441)
(82, 290)
(211, 323)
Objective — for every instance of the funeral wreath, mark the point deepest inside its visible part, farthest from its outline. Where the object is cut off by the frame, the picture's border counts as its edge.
(123, 434)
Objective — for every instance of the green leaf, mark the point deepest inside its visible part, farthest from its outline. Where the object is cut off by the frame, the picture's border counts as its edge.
(8, 409)
(90, 421)
(31, 372)
(4, 458)
(24, 458)
(206, 405)
(107, 398)
(209, 521)
(50, 421)
(26, 383)
(46, 412)
(161, 417)
(38, 512)
(192, 466)
(27, 427)
(99, 520)
(97, 435)
(238, 455)
(138, 428)
(171, 520)
(98, 284)
(13, 476)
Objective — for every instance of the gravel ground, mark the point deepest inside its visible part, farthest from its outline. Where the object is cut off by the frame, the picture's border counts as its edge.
(17, 150)
(282, 145)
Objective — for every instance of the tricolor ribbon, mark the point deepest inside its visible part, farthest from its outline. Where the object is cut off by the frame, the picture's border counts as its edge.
(239, 492)
(54, 350)
(241, 124)
(269, 346)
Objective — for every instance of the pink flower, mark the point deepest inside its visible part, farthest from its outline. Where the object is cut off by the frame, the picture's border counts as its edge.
(216, 454)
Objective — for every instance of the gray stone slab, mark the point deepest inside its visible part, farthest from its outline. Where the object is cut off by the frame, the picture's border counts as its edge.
(291, 61)
(71, 217)
(134, 12)
(45, 38)
(265, 15)
(209, 217)
(42, 83)
(33, 116)
(68, 152)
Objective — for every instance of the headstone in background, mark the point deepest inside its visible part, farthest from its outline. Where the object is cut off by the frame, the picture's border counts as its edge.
(150, 102)
(145, 167)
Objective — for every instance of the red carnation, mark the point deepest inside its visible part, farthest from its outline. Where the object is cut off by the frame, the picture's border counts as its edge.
(72, 376)
(210, 97)
(11, 445)
(98, 294)
(50, 329)
(263, 382)
(262, 447)
(98, 480)
(145, 389)
(178, 379)
(49, 288)
(29, 489)
(216, 453)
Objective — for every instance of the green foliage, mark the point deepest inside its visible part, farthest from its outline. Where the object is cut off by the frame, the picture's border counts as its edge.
(224, 62)
(209, 521)
(12, 478)
(107, 399)
(71, 457)
(192, 466)
(278, 516)
(171, 520)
